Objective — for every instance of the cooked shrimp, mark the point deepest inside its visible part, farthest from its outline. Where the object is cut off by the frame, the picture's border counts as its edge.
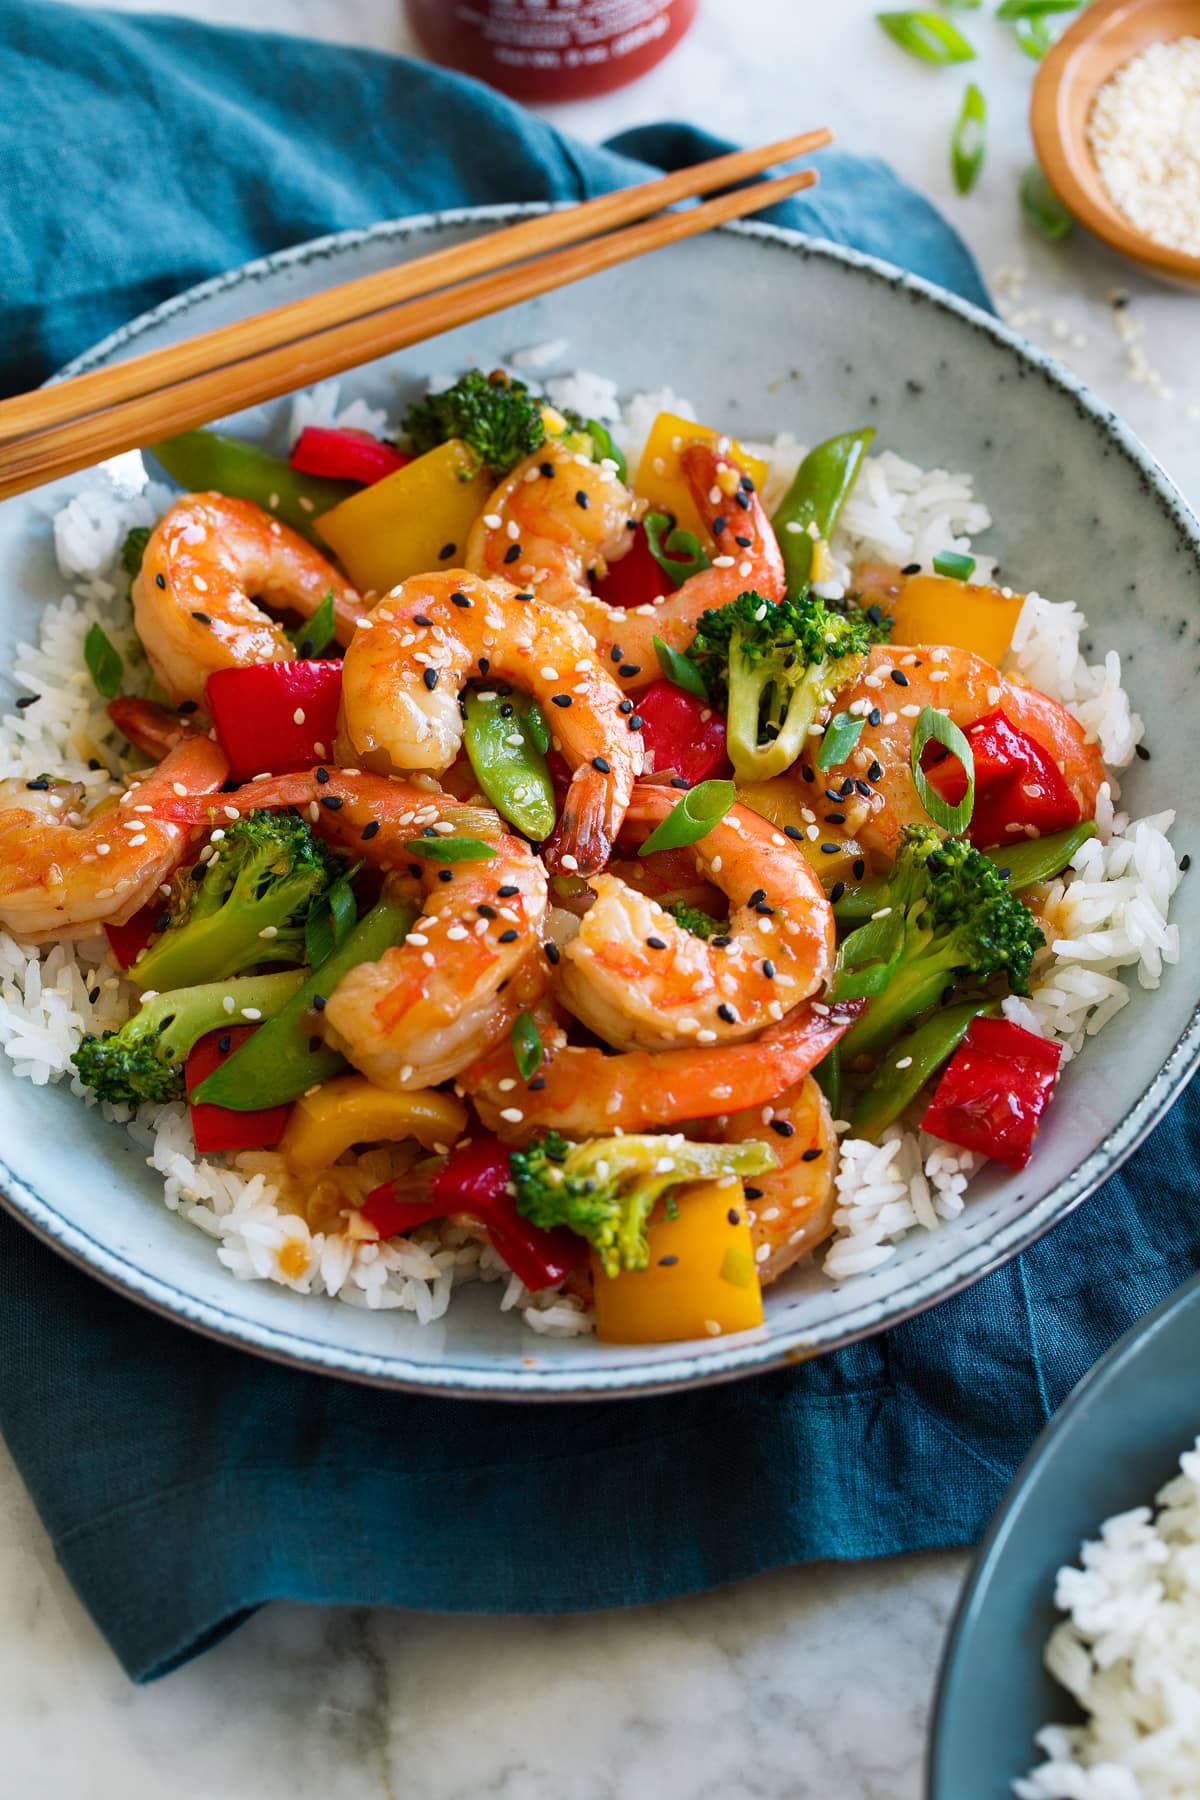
(59, 879)
(643, 982)
(151, 728)
(435, 1003)
(411, 658)
(560, 546)
(208, 561)
(791, 1207)
(966, 687)
(587, 1093)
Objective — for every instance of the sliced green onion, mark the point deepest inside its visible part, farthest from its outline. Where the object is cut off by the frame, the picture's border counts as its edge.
(536, 726)
(841, 735)
(104, 661)
(967, 142)
(313, 636)
(526, 1046)
(934, 727)
(927, 36)
(699, 810)
(1034, 37)
(451, 849)
(680, 669)
(954, 564)
(602, 443)
(331, 918)
(1042, 206)
(1034, 9)
(678, 553)
(962, 5)
(134, 548)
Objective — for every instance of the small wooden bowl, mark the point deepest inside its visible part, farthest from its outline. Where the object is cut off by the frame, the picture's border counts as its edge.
(1095, 47)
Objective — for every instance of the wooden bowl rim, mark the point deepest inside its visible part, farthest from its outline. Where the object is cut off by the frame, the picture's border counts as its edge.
(1058, 150)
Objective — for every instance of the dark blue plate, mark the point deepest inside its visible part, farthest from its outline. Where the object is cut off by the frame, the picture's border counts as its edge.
(1112, 1445)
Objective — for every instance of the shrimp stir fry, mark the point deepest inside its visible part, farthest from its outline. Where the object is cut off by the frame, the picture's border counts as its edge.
(507, 878)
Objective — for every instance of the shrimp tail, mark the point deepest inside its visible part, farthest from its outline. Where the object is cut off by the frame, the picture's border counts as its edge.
(591, 816)
(150, 727)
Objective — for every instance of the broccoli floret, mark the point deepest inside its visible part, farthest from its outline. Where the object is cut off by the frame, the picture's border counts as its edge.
(951, 915)
(773, 665)
(496, 415)
(144, 1059)
(134, 548)
(694, 919)
(605, 1188)
(246, 906)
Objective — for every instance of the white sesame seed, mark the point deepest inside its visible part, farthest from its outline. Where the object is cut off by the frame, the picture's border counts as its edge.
(512, 1114)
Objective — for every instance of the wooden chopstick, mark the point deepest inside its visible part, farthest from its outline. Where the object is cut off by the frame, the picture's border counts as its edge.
(142, 419)
(36, 411)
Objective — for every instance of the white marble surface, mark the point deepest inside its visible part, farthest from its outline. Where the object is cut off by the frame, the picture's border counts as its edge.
(811, 1682)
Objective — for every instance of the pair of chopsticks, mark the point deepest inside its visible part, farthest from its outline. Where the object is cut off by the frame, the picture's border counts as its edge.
(72, 424)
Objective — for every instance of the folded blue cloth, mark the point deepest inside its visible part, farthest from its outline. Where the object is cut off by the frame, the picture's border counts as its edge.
(184, 1484)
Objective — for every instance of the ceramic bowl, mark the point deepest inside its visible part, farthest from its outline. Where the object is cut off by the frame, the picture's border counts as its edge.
(1110, 1448)
(764, 330)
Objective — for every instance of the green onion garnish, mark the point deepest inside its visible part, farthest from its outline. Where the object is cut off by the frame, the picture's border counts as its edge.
(134, 548)
(1033, 35)
(1034, 9)
(678, 553)
(954, 564)
(526, 1046)
(602, 443)
(451, 849)
(331, 918)
(935, 727)
(314, 635)
(841, 735)
(967, 142)
(680, 669)
(103, 660)
(927, 36)
(699, 810)
(1042, 206)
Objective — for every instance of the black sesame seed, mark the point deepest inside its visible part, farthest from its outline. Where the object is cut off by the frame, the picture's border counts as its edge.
(581, 499)
(446, 552)
(746, 485)
(835, 818)
(421, 619)
(726, 1012)
(874, 772)
(859, 867)
(93, 995)
(560, 699)
(507, 893)
(742, 501)
(807, 773)
(745, 542)
(484, 665)
(911, 569)
(630, 669)
(616, 654)
(756, 896)
(782, 1128)
(445, 874)
(863, 788)
(833, 794)
(657, 943)
(625, 706)
(39, 786)
(874, 717)
(719, 524)
(547, 469)
(733, 1215)
(318, 1001)
(764, 911)
(522, 596)
(485, 912)
(224, 1043)
(1141, 752)
(427, 831)
(27, 700)
(811, 1155)
(507, 937)
(185, 707)
(322, 775)
(430, 678)
(460, 600)
(333, 801)
(602, 764)
(667, 1262)
(794, 832)
(836, 892)
(94, 764)
(847, 787)
(552, 953)
(720, 942)
(830, 849)
(1185, 861)
(537, 1084)
(162, 921)
(678, 781)
(635, 721)
(512, 554)
(201, 618)
(370, 830)
(769, 969)
(899, 677)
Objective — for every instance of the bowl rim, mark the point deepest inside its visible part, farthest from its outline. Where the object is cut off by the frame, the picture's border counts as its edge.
(1057, 149)
(716, 1360)
(1075, 1414)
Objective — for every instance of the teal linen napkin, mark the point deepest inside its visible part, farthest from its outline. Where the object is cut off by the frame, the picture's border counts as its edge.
(184, 1484)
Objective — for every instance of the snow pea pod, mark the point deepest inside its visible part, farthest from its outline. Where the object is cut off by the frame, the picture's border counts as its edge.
(200, 460)
(814, 500)
(287, 1055)
(1041, 859)
(908, 1065)
(506, 752)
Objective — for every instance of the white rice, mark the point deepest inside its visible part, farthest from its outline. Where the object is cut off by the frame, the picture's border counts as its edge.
(1129, 1652)
(1108, 915)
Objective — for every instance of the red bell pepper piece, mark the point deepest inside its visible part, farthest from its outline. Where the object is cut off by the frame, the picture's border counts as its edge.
(637, 579)
(272, 718)
(1017, 783)
(681, 732)
(218, 1127)
(994, 1091)
(342, 454)
(475, 1179)
(129, 940)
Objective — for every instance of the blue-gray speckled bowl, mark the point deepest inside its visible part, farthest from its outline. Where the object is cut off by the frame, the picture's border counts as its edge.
(1109, 1448)
(764, 330)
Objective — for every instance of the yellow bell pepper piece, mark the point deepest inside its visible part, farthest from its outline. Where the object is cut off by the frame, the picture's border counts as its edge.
(784, 800)
(661, 480)
(936, 609)
(351, 1110)
(410, 522)
(710, 1287)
